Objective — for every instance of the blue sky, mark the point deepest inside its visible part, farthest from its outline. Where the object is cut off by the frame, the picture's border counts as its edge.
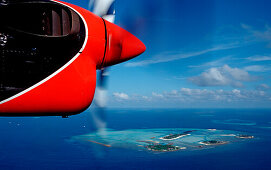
(200, 54)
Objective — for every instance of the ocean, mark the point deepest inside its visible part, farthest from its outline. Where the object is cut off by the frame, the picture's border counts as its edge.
(45, 142)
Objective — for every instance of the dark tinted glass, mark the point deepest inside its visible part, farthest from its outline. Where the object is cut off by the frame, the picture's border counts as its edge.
(36, 39)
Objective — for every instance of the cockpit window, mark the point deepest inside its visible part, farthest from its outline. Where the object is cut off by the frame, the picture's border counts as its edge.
(40, 18)
(36, 39)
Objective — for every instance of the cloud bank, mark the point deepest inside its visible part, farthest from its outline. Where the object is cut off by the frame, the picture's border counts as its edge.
(192, 97)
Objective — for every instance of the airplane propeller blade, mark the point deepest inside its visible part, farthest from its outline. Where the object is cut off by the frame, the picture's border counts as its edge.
(106, 10)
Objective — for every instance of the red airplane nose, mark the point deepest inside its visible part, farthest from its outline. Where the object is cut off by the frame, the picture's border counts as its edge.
(121, 45)
(131, 47)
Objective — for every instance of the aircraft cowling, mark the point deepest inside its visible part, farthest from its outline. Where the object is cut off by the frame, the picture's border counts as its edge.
(49, 56)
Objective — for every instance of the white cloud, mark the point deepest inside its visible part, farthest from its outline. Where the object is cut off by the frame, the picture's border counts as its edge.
(157, 95)
(146, 98)
(186, 91)
(169, 56)
(263, 87)
(257, 68)
(222, 76)
(259, 58)
(121, 96)
(259, 35)
(237, 93)
(236, 73)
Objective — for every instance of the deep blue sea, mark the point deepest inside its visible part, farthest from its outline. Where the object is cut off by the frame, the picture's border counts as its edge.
(43, 143)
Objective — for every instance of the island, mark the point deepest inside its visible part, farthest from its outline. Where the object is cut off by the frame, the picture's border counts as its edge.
(174, 136)
(212, 129)
(165, 139)
(213, 142)
(228, 135)
(164, 147)
(244, 136)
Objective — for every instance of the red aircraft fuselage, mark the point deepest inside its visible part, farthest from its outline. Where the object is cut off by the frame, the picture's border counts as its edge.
(50, 51)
